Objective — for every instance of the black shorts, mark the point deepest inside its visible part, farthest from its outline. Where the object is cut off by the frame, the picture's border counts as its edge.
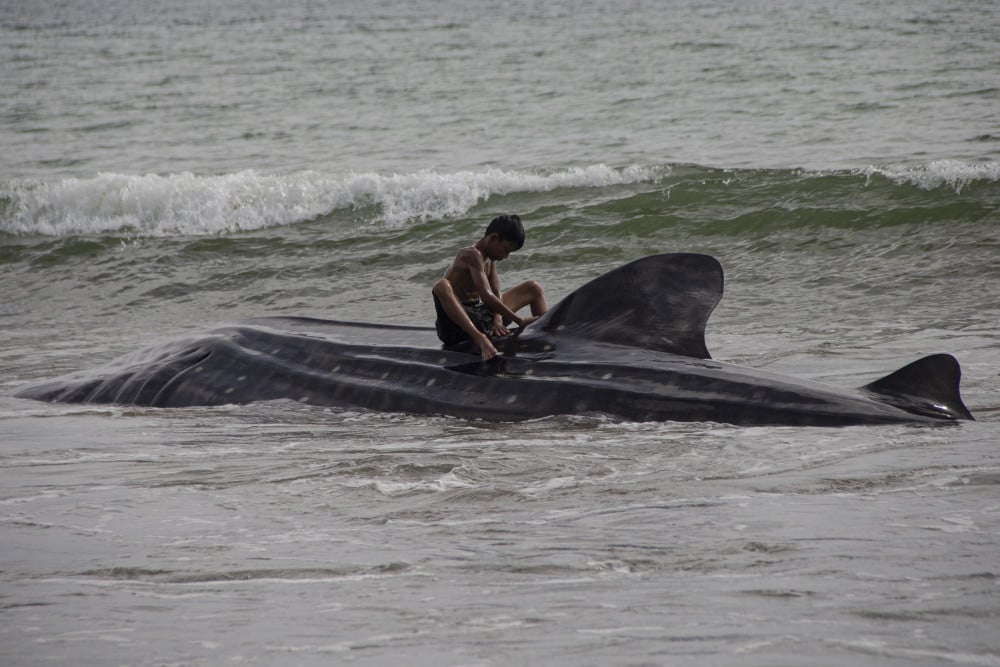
(452, 334)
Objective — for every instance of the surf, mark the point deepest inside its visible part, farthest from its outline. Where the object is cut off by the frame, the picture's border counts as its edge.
(187, 204)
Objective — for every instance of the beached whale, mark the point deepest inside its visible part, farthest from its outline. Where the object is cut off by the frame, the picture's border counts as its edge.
(629, 344)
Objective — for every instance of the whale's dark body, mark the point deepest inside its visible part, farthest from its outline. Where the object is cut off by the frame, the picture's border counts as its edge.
(629, 344)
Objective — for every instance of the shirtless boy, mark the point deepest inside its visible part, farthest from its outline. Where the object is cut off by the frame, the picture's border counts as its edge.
(468, 300)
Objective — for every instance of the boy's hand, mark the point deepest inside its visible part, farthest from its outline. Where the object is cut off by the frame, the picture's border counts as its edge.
(498, 329)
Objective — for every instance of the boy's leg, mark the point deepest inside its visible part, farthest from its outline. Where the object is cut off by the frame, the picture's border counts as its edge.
(529, 292)
(454, 310)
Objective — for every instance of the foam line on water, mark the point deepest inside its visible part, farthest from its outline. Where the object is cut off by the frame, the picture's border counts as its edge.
(954, 174)
(188, 204)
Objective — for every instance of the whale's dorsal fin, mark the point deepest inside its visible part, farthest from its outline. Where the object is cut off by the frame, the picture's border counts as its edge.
(661, 302)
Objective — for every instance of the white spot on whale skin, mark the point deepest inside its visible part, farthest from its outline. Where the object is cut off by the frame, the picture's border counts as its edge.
(511, 399)
(241, 378)
(230, 390)
(430, 383)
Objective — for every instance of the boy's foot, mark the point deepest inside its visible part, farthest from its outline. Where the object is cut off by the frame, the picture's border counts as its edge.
(486, 348)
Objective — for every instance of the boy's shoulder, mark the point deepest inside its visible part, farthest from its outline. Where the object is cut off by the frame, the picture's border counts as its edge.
(468, 257)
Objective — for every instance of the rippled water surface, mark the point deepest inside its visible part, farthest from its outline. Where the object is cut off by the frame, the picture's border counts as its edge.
(167, 168)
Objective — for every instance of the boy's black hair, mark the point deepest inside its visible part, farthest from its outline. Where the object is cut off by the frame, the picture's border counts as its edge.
(507, 228)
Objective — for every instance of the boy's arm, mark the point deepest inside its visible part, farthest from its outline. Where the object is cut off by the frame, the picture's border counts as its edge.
(498, 329)
(494, 278)
(477, 270)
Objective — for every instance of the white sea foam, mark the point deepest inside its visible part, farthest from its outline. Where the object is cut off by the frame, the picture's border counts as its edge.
(955, 174)
(186, 204)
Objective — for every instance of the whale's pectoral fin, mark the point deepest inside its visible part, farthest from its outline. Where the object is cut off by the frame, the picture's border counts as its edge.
(928, 386)
(658, 303)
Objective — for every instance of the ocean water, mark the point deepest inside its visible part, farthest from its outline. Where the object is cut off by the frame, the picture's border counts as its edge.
(165, 167)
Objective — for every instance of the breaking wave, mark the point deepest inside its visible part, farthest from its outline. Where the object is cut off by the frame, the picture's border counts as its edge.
(953, 174)
(186, 204)
(191, 205)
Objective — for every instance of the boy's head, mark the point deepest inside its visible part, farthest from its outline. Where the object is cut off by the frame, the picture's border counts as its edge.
(507, 228)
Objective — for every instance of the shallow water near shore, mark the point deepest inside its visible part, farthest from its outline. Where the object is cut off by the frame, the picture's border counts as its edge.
(168, 169)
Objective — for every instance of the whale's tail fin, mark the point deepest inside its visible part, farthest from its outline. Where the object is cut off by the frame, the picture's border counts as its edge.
(659, 303)
(928, 386)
